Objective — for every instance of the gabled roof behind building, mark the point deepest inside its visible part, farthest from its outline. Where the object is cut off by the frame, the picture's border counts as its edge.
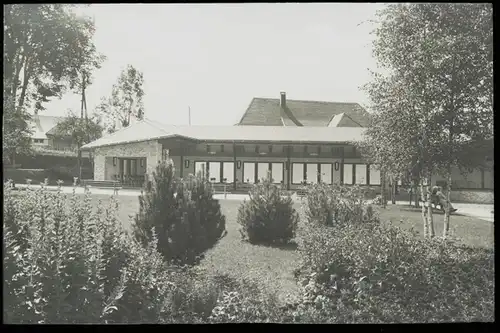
(42, 124)
(268, 112)
(147, 130)
(343, 120)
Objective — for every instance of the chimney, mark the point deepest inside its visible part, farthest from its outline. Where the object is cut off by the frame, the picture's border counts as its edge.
(283, 100)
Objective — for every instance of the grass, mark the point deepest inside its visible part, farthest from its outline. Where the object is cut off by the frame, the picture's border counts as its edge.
(272, 268)
(467, 230)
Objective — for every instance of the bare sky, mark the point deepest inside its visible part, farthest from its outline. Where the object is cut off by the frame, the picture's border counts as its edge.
(216, 57)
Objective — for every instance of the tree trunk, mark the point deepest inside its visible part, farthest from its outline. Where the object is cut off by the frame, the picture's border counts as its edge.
(382, 190)
(393, 191)
(429, 208)
(446, 227)
(424, 211)
(25, 86)
(415, 187)
(79, 165)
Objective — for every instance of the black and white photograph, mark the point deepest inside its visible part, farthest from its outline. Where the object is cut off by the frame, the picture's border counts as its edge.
(215, 163)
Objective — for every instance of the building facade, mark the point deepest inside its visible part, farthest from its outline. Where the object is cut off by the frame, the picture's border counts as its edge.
(297, 142)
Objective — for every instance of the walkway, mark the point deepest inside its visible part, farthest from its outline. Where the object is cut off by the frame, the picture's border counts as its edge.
(481, 211)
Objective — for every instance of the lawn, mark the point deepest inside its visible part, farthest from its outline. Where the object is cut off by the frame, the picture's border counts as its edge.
(468, 230)
(273, 268)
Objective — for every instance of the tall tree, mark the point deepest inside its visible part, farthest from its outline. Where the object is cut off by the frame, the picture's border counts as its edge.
(125, 100)
(79, 130)
(437, 94)
(40, 44)
(462, 76)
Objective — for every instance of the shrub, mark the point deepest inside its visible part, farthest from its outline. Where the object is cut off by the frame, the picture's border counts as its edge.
(60, 264)
(334, 204)
(268, 217)
(187, 219)
(65, 263)
(377, 200)
(243, 301)
(377, 273)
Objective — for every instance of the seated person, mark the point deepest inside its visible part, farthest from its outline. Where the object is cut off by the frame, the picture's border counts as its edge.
(438, 198)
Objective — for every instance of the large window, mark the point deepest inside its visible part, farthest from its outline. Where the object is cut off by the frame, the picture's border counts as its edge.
(374, 174)
(348, 173)
(228, 171)
(312, 173)
(326, 173)
(200, 167)
(262, 169)
(277, 172)
(249, 172)
(214, 172)
(297, 173)
(361, 174)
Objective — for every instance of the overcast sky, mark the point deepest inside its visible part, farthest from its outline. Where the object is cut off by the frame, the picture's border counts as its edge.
(216, 57)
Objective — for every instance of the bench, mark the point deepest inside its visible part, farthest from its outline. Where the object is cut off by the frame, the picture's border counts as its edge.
(221, 188)
(114, 184)
(301, 192)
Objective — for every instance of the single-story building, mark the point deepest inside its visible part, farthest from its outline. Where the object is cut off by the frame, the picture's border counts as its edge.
(296, 141)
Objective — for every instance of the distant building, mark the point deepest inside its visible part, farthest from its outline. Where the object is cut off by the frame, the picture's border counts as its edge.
(43, 135)
(297, 142)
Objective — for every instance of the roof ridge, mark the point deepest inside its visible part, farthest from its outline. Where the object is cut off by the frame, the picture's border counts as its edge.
(307, 101)
(122, 129)
(153, 123)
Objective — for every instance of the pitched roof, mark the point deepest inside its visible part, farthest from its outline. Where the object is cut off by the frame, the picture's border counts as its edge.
(268, 112)
(147, 130)
(42, 124)
(343, 120)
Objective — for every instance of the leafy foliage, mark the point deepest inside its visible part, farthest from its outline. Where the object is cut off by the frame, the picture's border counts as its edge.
(373, 272)
(334, 204)
(244, 302)
(67, 263)
(80, 130)
(268, 217)
(41, 43)
(125, 101)
(59, 259)
(435, 97)
(16, 130)
(45, 46)
(187, 218)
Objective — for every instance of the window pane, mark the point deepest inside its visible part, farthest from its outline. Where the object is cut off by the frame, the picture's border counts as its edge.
(214, 171)
(374, 174)
(297, 173)
(277, 172)
(228, 171)
(262, 169)
(312, 173)
(200, 167)
(361, 174)
(348, 174)
(249, 172)
(326, 173)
